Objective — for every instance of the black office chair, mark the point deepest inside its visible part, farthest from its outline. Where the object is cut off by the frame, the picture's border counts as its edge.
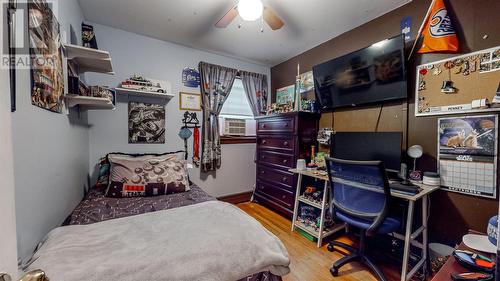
(360, 197)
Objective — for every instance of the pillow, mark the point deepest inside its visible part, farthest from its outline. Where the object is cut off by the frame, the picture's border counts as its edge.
(103, 176)
(146, 176)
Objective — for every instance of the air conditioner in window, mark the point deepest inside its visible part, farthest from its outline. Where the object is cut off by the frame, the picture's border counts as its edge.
(235, 126)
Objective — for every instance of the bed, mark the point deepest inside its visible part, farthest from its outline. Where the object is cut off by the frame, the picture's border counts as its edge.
(244, 250)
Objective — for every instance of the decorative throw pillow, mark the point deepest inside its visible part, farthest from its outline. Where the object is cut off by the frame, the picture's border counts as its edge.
(103, 175)
(146, 176)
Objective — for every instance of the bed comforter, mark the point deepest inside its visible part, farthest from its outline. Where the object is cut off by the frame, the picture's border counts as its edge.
(96, 207)
(207, 241)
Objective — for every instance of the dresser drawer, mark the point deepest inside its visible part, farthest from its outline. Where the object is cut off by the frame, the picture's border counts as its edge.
(284, 197)
(278, 159)
(284, 143)
(276, 125)
(286, 179)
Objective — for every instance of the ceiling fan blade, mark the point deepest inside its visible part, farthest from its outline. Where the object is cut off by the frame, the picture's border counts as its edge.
(227, 18)
(272, 19)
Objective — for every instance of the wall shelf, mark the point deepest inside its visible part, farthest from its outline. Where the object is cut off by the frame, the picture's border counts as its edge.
(89, 60)
(89, 103)
(137, 93)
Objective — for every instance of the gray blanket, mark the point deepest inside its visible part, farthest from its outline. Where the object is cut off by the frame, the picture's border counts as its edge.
(207, 241)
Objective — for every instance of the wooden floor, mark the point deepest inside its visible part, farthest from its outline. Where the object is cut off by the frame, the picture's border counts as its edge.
(309, 263)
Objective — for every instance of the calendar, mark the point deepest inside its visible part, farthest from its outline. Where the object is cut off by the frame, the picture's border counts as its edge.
(467, 154)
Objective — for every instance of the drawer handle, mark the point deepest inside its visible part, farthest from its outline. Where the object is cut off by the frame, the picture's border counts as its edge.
(285, 161)
(285, 143)
(286, 125)
(263, 157)
(285, 179)
(262, 172)
(263, 125)
(264, 141)
(283, 197)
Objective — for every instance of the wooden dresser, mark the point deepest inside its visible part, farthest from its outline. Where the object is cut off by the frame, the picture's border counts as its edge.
(281, 140)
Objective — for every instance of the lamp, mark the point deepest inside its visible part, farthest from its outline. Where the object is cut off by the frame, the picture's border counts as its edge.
(250, 10)
(415, 152)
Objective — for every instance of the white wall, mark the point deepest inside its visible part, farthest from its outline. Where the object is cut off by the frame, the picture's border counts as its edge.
(136, 54)
(50, 155)
(8, 252)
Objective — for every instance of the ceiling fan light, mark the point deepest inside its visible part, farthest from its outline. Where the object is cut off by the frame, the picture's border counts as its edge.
(250, 10)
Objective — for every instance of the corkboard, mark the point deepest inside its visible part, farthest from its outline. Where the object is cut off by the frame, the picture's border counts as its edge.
(481, 82)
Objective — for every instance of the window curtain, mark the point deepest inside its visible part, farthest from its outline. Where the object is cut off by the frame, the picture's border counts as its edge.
(216, 84)
(255, 85)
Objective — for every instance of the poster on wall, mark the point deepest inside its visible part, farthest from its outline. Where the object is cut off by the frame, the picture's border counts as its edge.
(285, 95)
(146, 123)
(305, 82)
(190, 77)
(467, 154)
(47, 80)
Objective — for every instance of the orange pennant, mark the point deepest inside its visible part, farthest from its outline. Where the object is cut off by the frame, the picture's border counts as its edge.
(439, 34)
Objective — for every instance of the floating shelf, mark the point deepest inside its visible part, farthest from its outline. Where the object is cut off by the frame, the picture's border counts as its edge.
(89, 103)
(89, 60)
(137, 93)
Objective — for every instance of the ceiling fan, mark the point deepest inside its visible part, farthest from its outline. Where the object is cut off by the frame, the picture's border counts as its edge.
(251, 10)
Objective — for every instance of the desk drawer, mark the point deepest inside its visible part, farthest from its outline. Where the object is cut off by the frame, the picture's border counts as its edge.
(276, 176)
(276, 125)
(284, 197)
(275, 158)
(284, 143)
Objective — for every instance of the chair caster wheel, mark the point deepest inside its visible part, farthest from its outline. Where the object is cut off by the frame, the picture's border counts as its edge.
(330, 248)
(334, 272)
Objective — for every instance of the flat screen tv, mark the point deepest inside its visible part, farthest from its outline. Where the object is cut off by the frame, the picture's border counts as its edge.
(370, 75)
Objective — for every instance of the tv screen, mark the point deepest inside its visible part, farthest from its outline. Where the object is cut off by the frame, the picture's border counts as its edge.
(368, 146)
(373, 74)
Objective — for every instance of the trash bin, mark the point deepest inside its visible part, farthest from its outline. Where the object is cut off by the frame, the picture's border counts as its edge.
(438, 254)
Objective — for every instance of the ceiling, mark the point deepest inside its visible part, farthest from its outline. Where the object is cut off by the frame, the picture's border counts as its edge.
(308, 23)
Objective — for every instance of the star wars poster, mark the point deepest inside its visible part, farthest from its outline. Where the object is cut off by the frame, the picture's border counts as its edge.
(467, 149)
(146, 123)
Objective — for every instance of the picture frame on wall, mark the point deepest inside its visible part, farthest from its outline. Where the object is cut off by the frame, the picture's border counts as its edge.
(47, 77)
(189, 101)
(146, 123)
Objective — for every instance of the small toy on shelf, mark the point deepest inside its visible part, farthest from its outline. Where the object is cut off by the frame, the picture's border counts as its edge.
(276, 108)
(309, 190)
(140, 83)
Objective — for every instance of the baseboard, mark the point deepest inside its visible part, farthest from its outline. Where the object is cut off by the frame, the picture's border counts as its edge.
(236, 198)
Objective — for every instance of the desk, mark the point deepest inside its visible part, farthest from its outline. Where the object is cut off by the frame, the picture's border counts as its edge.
(452, 266)
(409, 237)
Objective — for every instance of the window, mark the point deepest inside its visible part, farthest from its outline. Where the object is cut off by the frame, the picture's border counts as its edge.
(237, 107)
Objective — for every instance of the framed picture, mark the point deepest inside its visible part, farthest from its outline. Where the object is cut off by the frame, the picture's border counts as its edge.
(285, 95)
(146, 123)
(47, 79)
(189, 101)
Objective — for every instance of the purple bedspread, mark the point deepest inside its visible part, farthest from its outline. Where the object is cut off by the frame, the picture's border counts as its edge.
(96, 207)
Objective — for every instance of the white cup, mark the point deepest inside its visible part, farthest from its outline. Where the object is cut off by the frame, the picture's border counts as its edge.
(301, 164)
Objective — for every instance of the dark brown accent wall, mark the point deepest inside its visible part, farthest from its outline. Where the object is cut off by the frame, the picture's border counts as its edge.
(452, 214)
